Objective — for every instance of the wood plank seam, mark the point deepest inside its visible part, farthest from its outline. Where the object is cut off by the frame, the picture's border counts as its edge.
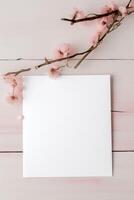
(114, 151)
(42, 59)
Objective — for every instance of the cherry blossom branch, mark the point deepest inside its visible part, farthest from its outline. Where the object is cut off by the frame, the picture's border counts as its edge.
(116, 23)
(92, 48)
(47, 62)
(110, 29)
(94, 17)
(108, 21)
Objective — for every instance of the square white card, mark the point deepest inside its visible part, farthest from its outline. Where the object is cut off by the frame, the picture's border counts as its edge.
(67, 126)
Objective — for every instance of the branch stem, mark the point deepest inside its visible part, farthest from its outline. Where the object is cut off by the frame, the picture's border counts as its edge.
(96, 16)
(117, 19)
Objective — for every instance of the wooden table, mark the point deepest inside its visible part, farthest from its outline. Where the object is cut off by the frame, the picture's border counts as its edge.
(29, 31)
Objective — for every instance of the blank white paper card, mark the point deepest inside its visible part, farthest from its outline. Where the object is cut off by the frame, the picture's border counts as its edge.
(67, 126)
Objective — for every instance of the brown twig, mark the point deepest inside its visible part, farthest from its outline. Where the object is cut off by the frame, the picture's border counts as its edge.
(96, 16)
(62, 59)
(18, 72)
(85, 55)
(47, 62)
(92, 48)
(128, 3)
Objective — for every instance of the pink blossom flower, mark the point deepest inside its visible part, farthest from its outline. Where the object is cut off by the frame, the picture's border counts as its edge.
(11, 79)
(102, 28)
(15, 83)
(54, 72)
(63, 50)
(108, 20)
(123, 11)
(105, 9)
(15, 96)
(108, 8)
(112, 6)
(12, 99)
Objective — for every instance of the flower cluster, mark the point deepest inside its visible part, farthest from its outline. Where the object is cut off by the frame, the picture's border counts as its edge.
(64, 50)
(108, 19)
(104, 23)
(16, 87)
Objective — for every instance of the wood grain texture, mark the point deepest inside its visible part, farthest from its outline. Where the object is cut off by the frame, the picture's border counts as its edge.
(13, 186)
(31, 30)
(122, 101)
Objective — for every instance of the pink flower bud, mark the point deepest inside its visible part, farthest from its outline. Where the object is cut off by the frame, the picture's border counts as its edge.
(54, 72)
(63, 50)
(12, 99)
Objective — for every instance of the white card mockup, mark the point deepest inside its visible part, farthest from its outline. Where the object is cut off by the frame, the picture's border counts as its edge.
(67, 126)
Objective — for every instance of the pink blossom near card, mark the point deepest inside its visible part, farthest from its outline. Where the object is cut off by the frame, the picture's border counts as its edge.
(67, 126)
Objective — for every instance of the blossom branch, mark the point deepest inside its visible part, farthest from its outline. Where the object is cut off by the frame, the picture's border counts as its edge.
(115, 24)
(92, 48)
(96, 16)
(18, 72)
(108, 21)
(48, 62)
(62, 59)
(74, 19)
(85, 53)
